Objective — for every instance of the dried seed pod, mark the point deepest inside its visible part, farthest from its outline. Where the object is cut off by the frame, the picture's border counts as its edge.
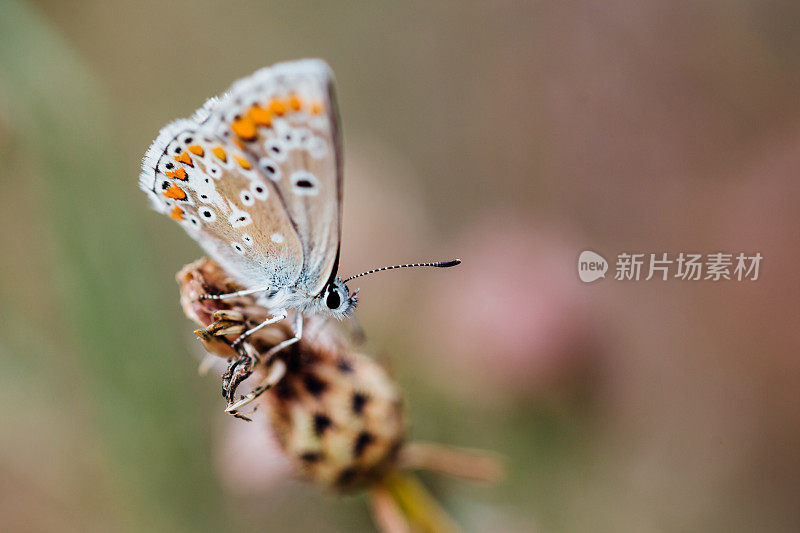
(339, 417)
(337, 414)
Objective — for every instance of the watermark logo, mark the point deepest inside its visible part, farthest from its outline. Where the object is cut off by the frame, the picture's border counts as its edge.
(591, 266)
(718, 266)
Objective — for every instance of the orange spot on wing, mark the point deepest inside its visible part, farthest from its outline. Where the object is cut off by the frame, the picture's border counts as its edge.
(260, 116)
(276, 107)
(238, 142)
(316, 108)
(196, 149)
(220, 153)
(176, 213)
(184, 158)
(294, 103)
(178, 174)
(244, 128)
(244, 163)
(175, 193)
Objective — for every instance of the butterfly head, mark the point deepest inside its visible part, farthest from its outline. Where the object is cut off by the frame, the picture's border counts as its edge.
(337, 301)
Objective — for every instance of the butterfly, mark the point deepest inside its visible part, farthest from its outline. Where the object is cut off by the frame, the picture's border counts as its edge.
(255, 177)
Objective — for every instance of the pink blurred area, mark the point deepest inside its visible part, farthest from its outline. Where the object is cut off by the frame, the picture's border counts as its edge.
(512, 320)
(248, 459)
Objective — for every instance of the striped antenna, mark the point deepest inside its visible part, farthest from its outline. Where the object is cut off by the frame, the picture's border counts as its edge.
(438, 264)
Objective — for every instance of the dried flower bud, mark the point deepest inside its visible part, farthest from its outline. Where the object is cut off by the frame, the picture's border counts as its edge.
(339, 417)
(337, 414)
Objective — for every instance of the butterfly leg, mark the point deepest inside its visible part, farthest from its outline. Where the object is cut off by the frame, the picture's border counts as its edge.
(298, 334)
(277, 317)
(275, 372)
(277, 368)
(236, 294)
(239, 369)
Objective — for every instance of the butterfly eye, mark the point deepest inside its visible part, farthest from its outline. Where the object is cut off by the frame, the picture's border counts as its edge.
(333, 301)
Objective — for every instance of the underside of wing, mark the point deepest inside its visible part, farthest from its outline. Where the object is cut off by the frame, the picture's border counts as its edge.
(284, 119)
(213, 189)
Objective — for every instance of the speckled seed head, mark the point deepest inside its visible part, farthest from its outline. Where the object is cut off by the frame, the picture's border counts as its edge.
(337, 414)
(339, 417)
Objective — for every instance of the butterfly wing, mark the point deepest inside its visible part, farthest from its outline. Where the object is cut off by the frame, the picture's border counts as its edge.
(215, 192)
(284, 118)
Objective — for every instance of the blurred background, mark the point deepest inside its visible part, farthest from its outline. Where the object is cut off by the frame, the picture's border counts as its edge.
(511, 134)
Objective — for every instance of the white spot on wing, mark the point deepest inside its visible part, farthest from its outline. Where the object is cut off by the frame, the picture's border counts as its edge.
(319, 123)
(247, 197)
(304, 183)
(239, 218)
(276, 150)
(214, 170)
(207, 214)
(317, 147)
(289, 139)
(259, 190)
(276, 238)
(270, 168)
(303, 137)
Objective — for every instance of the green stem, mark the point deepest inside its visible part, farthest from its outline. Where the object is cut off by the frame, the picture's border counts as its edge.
(421, 509)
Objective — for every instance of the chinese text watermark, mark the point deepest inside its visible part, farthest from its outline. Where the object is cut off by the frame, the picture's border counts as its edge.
(718, 266)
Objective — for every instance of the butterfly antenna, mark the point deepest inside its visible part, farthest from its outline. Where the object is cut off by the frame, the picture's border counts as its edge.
(437, 264)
